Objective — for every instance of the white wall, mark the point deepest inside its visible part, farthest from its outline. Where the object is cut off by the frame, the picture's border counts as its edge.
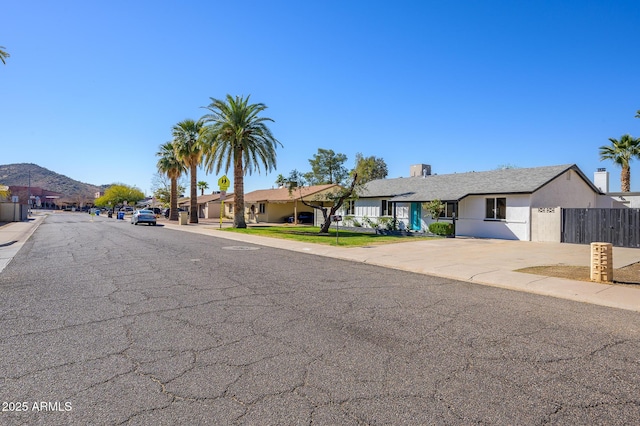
(619, 201)
(471, 221)
(568, 190)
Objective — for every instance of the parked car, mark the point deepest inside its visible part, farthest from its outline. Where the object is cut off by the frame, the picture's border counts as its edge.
(303, 217)
(167, 211)
(143, 216)
(127, 209)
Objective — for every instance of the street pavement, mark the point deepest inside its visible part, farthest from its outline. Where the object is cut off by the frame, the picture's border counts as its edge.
(482, 261)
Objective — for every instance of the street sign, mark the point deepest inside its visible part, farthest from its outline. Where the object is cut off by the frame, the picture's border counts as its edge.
(223, 183)
(336, 218)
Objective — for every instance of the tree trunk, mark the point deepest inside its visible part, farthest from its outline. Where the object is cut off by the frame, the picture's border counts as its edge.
(193, 202)
(238, 190)
(625, 179)
(173, 200)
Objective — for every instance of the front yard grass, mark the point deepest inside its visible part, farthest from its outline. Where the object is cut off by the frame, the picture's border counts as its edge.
(310, 234)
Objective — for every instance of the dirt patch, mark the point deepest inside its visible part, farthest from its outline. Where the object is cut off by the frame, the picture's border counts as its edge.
(628, 275)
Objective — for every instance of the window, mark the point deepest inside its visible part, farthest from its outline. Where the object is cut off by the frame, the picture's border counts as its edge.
(230, 208)
(350, 207)
(386, 208)
(449, 209)
(496, 208)
(262, 208)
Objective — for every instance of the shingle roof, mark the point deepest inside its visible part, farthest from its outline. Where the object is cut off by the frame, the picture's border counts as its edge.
(456, 186)
(283, 194)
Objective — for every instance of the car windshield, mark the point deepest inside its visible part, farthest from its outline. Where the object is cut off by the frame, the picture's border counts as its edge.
(145, 212)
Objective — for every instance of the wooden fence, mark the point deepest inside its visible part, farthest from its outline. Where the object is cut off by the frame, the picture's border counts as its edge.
(620, 227)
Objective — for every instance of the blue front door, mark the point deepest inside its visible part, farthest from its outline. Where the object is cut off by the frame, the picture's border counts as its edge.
(416, 216)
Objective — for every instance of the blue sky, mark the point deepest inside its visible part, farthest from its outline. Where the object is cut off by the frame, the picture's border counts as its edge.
(92, 88)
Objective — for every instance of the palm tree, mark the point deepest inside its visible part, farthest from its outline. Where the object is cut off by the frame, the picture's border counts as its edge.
(190, 144)
(3, 54)
(169, 165)
(202, 185)
(239, 137)
(622, 152)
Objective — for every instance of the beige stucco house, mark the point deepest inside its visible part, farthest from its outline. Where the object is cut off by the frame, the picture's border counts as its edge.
(277, 205)
(209, 205)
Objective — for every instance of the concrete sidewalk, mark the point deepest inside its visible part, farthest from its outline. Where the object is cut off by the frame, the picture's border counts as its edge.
(482, 261)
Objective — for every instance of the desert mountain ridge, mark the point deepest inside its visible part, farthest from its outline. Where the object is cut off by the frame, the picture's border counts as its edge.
(20, 174)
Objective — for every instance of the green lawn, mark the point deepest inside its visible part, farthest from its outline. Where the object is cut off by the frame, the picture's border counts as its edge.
(310, 234)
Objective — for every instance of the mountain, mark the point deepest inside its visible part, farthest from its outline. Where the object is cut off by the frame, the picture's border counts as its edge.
(18, 175)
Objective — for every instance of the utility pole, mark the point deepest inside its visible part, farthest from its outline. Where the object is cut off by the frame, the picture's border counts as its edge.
(29, 196)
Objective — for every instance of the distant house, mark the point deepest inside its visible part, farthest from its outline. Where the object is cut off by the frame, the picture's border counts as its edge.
(209, 205)
(614, 199)
(39, 197)
(504, 204)
(277, 205)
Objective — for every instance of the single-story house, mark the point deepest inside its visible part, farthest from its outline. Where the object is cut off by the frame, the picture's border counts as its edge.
(209, 205)
(276, 205)
(504, 204)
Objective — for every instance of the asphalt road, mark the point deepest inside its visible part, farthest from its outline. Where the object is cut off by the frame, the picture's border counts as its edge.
(103, 322)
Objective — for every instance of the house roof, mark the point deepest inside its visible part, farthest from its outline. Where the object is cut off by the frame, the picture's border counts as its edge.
(454, 187)
(201, 199)
(282, 195)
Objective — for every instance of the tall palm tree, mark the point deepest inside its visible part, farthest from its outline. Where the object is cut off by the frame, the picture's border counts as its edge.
(190, 144)
(622, 152)
(202, 185)
(240, 137)
(3, 54)
(169, 165)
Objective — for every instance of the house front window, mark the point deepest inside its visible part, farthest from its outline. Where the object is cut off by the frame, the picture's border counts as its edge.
(496, 209)
(262, 208)
(230, 206)
(386, 208)
(448, 210)
(350, 207)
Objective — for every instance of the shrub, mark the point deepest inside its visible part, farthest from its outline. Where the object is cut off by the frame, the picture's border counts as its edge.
(370, 222)
(389, 223)
(441, 228)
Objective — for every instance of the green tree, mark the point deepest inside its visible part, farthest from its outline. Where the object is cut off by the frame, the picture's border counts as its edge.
(202, 185)
(326, 168)
(239, 137)
(4, 192)
(621, 152)
(434, 207)
(3, 55)
(370, 168)
(189, 140)
(280, 181)
(117, 194)
(169, 165)
(330, 202)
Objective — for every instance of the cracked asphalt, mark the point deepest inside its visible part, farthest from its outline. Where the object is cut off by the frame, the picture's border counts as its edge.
(105, 323)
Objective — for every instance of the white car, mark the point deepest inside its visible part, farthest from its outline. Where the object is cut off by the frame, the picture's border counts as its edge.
(143, 216)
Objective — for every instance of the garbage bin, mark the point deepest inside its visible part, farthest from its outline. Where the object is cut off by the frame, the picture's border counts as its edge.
(120, 215)
(183, 217)
(109, 214)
